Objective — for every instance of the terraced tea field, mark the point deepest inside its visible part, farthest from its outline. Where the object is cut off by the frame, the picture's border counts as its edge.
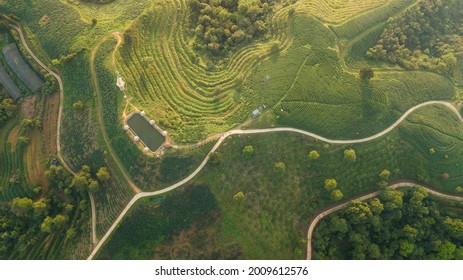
(171, 82)
(303, 73)
(336, 11)
(304, 83)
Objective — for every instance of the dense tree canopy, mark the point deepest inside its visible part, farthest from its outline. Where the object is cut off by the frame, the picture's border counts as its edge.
(7, 109)
(397, 225)
(220, 25)
(29, 221)
(428, 36)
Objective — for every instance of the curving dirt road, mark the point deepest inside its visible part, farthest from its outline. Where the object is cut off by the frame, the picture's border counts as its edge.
(269, 130)
(320, 216)
(222, 136)
(100, 113)
(15, 25)
(216, 146)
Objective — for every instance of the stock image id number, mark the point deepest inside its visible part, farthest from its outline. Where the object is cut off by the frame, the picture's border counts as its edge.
(285, 271)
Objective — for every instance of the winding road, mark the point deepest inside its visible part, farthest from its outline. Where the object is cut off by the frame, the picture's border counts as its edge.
(16, 26)
(100, 113)
(272, 130)
(222, 138)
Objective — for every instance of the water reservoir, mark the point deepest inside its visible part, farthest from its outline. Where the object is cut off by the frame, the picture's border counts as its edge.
(152, 138)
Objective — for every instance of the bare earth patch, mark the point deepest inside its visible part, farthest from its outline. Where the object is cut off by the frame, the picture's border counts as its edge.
(29, 108)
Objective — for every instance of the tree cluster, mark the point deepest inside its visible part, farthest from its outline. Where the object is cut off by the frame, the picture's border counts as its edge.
(396, 225)
(84, 180)
(26, 222)
(331, 186)
(428, 36)
(7, 109)
(219, 25)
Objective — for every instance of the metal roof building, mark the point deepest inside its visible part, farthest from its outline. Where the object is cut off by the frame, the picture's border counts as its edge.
(19, 66)
(9, 85)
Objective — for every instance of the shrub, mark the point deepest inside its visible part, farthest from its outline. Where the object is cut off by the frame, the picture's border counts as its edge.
(238, 196)
(280, 168)
(314, 155)
(248, 151)
(336, 195)
(350, 155)
(385, 174)
(330, 184)
(366, 73)
(79, 105)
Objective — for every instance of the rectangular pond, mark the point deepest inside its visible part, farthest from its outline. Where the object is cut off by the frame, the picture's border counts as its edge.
(152, 138)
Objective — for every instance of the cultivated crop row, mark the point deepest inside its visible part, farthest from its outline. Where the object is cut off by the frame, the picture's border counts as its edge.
(335, 11)
(173, 83)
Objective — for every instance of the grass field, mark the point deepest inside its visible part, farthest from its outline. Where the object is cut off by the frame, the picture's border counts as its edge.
(271, 220)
